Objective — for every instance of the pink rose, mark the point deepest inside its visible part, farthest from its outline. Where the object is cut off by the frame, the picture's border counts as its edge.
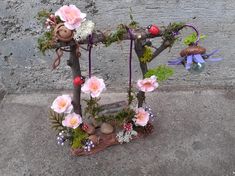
(147, 84)
(72, 120)
(71, 15)
(94, 86)
(62, 104)
(141, 117)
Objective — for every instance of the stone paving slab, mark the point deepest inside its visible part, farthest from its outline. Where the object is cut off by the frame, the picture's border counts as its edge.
(194, 136)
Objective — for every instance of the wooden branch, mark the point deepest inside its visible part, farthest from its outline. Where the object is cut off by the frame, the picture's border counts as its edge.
(100, 37)
(74, 63)
(160, 49)
(139, 49)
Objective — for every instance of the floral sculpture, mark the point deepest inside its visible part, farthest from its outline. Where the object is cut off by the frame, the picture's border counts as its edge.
(101, 126)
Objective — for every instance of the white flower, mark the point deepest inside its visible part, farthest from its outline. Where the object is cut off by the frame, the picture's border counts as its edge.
(94, 86)
(62, 104)
(141, 117)
(147, 84)
(72, 120)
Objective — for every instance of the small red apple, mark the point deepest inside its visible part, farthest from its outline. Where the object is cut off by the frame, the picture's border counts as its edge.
(153, 29)
(78, 81)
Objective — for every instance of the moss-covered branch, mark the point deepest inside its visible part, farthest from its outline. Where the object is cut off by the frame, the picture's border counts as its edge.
(167, 34)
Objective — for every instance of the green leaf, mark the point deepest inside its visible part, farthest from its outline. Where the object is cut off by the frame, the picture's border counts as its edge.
(192, 38)
(93, 107)
(162, 73)
(56, 120)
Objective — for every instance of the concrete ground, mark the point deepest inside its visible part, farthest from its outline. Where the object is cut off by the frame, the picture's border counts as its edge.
(24, 69)
(194, 136)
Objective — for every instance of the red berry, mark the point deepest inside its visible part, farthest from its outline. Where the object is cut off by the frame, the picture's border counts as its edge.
(85, 127)
(127, 126)
(78, 81)
(153, 29)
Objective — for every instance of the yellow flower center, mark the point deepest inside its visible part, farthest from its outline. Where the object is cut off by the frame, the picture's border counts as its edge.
(140, 116)
(73, 121)
(94, 86)
(62, 103)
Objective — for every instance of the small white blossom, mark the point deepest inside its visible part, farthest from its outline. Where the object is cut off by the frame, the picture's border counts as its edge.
(84, 30)
(126, 136)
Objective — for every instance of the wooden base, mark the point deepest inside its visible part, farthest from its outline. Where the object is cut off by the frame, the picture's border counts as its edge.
(106, 140)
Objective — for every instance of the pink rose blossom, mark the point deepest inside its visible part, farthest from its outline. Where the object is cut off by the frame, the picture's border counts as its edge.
(72, 120)
(71, 15)
(94, 86)
(147, 84)
(141, 117)
(62, 104)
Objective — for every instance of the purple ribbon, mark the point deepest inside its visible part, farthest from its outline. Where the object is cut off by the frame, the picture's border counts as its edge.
(90, 48)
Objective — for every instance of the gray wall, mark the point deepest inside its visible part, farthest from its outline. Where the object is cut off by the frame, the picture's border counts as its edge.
(24, 69)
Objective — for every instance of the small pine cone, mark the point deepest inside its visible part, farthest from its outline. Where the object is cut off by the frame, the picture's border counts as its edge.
(148, 129)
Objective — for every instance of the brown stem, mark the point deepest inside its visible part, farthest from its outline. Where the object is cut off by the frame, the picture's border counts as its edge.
(139, 49)
(74, 63)
(160, 49)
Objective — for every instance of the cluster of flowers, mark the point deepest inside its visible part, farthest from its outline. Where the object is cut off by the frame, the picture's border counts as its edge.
(94, 86)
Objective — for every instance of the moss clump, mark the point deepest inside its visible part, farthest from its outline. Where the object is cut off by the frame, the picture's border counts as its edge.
(115, 36)
(43, 15)
(162, 73)
(148, 54)
(78, 137)
(169, 35)
(45, 42)
(123, 116)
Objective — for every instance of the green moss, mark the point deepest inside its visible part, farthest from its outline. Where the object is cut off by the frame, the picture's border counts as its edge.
(190, 39)
(78, 137)
(168, 35)
(115, 36)
(133, 24)
(148, 54)
(162, 72)
(43, 15)
(45, 41)
(123, 116)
